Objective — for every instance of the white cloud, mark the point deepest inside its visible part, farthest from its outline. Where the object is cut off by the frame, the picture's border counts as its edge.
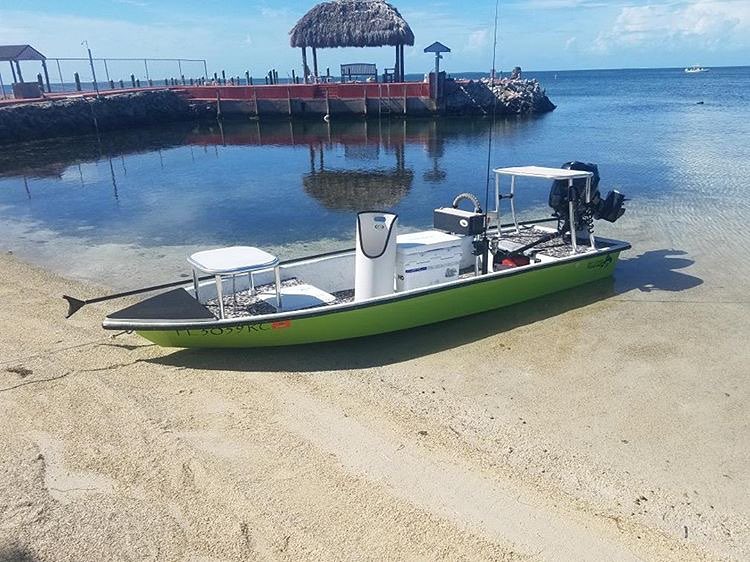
(570, 43)
(477, 40)
(708, 24)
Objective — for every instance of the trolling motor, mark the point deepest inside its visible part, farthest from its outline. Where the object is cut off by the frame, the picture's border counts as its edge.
(561, 193)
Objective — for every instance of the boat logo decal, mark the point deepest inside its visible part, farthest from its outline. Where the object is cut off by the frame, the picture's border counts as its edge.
(601, 263)
(281, 324)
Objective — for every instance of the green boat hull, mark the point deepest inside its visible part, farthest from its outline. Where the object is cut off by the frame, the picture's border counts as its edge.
(402, 312)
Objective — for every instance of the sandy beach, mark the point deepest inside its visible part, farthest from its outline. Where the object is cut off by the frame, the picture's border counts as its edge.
(594, 425)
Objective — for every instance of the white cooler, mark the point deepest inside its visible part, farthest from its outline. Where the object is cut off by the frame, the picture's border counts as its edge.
(426, 258)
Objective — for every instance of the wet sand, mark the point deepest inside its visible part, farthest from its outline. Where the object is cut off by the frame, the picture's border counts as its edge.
(606, 423)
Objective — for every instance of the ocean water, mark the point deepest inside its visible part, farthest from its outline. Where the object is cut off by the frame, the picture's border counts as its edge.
(125, 208)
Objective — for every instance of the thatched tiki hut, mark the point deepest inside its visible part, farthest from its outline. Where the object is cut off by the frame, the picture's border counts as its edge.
(352, 23)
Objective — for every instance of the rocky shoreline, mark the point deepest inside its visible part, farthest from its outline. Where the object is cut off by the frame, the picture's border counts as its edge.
(510, 96)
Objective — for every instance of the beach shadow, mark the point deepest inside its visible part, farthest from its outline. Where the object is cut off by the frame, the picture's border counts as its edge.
(16, 554)
(655, 270)
(396, 347)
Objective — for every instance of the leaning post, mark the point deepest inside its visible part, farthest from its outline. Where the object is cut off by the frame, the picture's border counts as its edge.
(304, 64)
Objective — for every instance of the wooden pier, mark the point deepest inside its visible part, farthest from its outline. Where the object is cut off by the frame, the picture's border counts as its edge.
(295, 100)
(366, 99)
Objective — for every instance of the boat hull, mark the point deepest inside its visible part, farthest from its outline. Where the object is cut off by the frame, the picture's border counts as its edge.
(381, 316)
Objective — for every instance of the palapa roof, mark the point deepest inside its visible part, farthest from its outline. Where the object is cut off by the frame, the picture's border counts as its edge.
(351, 23)
(19, 52)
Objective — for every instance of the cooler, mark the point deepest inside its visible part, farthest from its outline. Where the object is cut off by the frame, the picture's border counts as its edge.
(426, 258)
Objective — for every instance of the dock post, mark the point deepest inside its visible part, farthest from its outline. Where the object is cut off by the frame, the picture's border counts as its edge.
(122, 84)
(111, 84)
(247, 76)
(224, 77)
(183, 79)
(59, 72)
(138, 83)
(132, 80)
(294, 77)
(77, 80)
(46, 75)
(304, 64)
(150, 83)
(39, 81)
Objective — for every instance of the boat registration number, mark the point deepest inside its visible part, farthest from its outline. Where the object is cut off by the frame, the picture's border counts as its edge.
(242, 328)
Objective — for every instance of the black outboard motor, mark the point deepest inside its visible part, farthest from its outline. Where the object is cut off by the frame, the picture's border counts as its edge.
(610, 208)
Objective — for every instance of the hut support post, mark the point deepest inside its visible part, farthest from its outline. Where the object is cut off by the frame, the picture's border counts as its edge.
(315, 63)
(46, 76)
(304, 64)
(13, 70)
(18, 69)
(401, 66)
(396, 69)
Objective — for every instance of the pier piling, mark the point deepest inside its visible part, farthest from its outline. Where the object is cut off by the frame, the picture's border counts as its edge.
(77, 80)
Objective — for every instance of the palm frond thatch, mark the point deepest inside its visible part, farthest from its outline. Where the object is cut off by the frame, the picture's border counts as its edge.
(351, 23)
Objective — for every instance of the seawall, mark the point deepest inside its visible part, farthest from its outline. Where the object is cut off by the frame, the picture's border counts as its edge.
(80, 115)
(86, 114)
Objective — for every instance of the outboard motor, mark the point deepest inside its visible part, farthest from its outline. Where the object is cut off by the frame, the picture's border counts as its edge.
(610, 208)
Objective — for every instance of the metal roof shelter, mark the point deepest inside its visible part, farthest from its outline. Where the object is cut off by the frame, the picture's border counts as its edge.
(352, 23)
(17, 53)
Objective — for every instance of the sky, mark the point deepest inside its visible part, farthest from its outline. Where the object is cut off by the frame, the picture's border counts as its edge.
(240, 35)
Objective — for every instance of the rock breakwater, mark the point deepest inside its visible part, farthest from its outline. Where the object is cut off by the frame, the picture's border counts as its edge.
(511, 96)
(85, 115)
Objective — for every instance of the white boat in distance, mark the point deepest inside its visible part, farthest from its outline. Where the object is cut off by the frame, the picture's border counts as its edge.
(695, 69)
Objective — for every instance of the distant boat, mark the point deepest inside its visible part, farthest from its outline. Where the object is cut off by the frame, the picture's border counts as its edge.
(695, 69)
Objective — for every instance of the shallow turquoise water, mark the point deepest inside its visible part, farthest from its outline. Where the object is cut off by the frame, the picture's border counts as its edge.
(127, 207)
